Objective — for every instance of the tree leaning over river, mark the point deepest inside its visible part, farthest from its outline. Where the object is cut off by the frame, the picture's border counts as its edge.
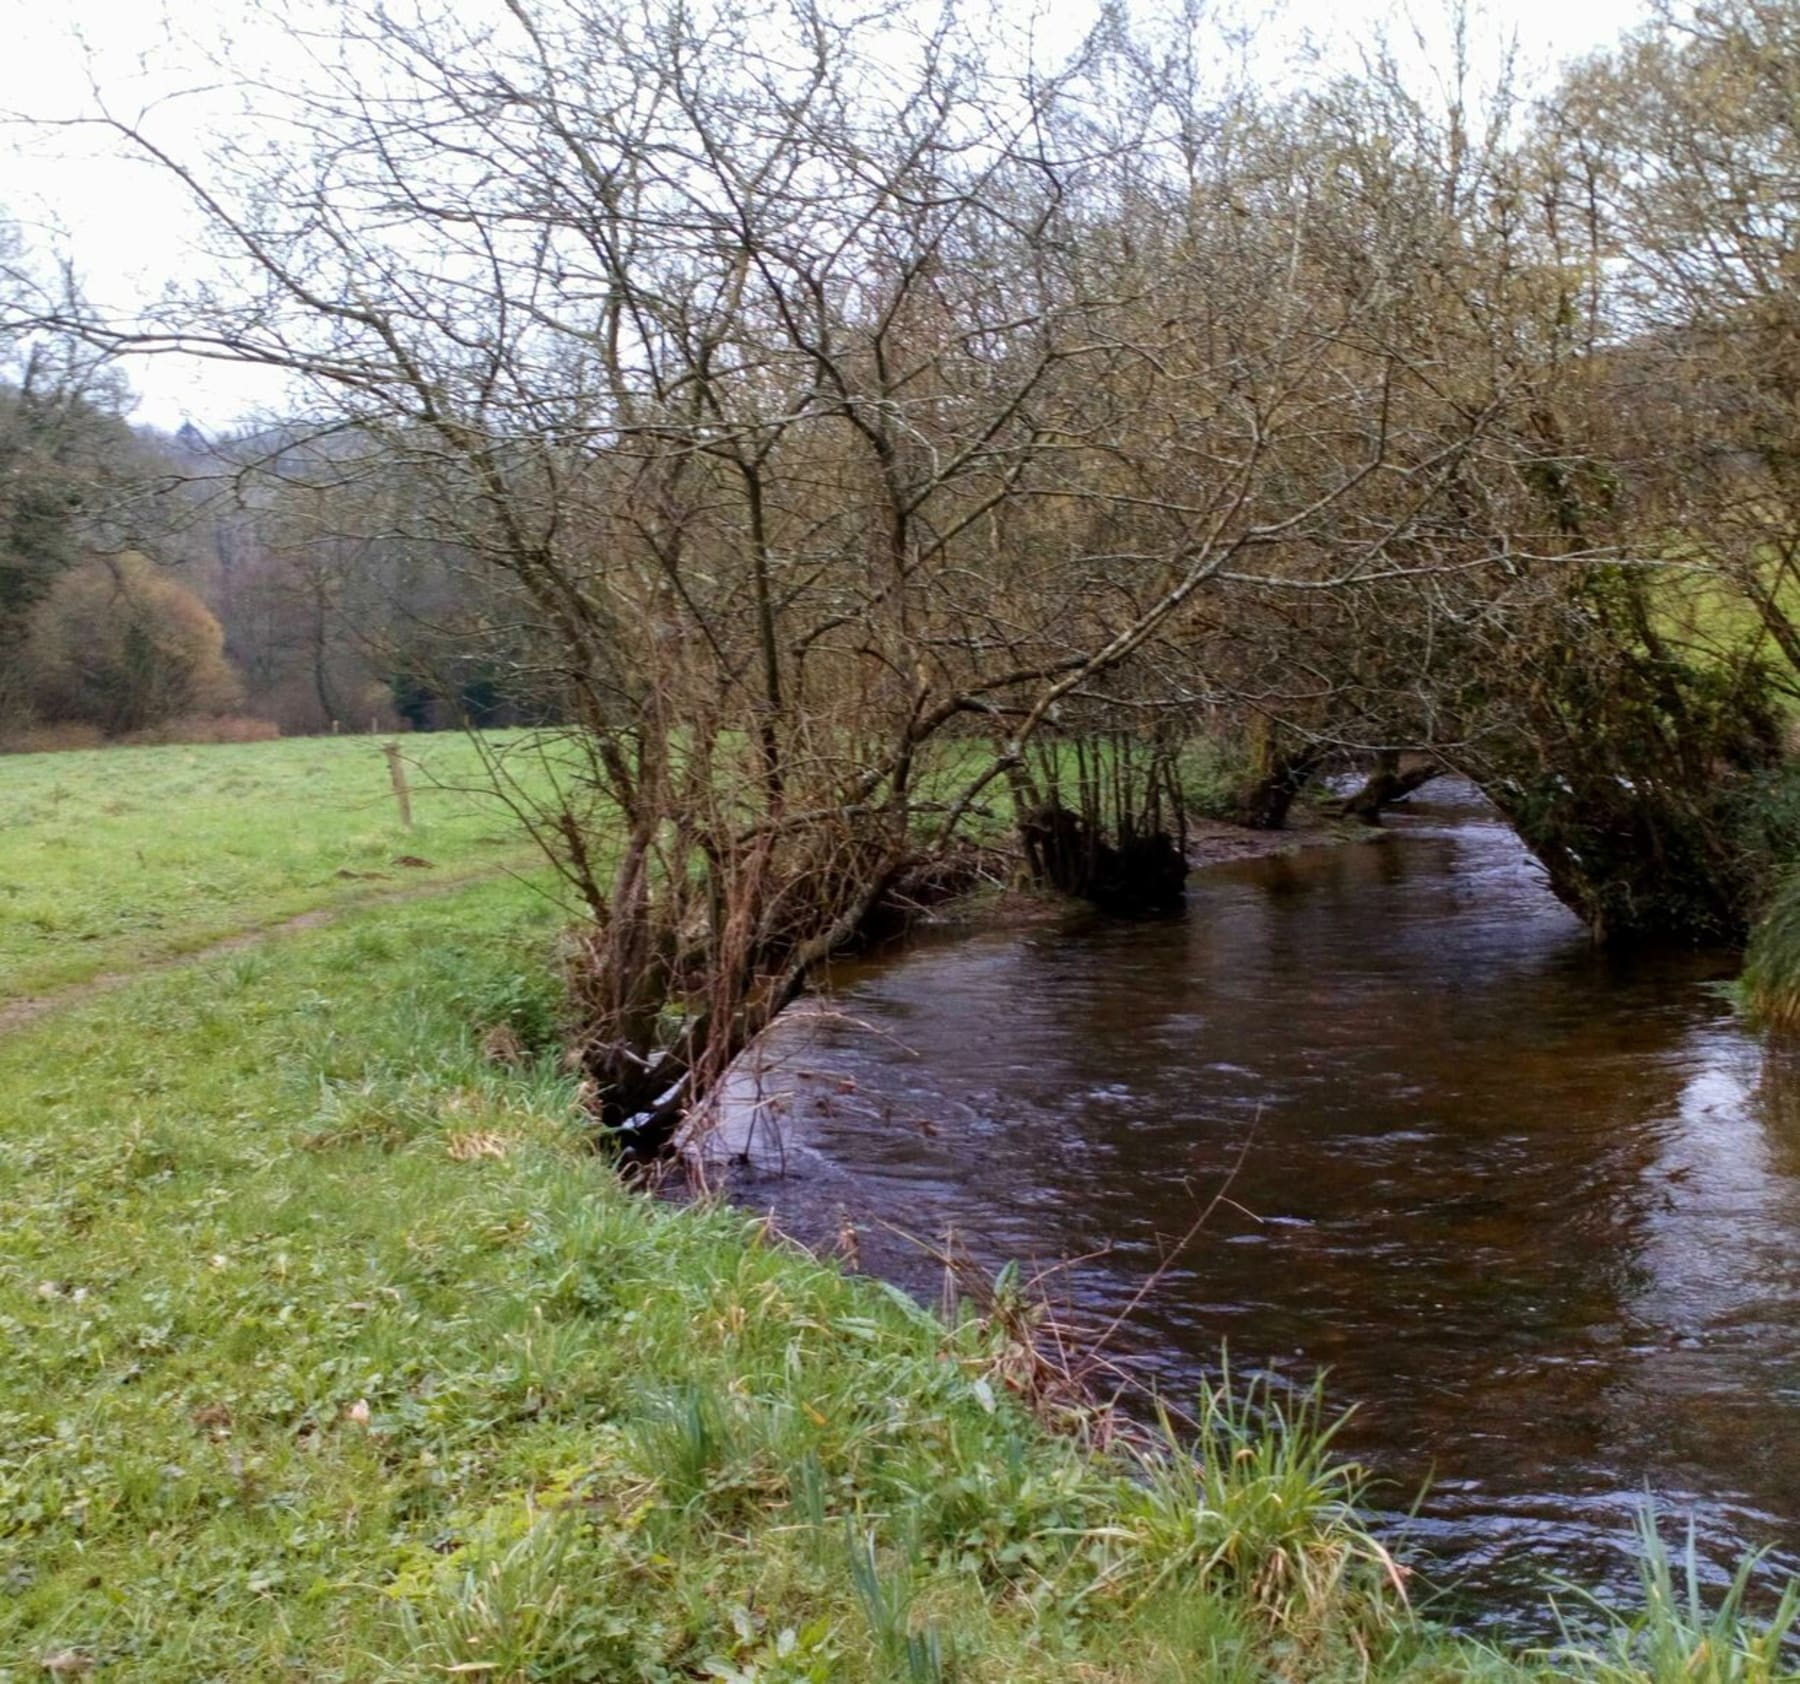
(846, 416)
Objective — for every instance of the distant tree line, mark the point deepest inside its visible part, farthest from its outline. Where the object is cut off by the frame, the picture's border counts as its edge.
(153, 584)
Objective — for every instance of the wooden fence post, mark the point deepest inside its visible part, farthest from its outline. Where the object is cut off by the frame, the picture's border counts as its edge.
(397, 772)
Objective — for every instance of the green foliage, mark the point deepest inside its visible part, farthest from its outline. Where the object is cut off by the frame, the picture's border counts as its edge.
(1213, 770)
(527, 1592)
(910, 1655)
(1768, 817)
(526, 1001)
(1260, 1509)
(686, 1440)
(1627, 763)
(1767, 814)
(60, 434)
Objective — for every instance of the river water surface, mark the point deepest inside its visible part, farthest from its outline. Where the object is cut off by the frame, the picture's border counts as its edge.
(1536, 1212)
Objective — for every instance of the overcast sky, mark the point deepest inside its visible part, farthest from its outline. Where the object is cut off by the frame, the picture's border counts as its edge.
(130, 233)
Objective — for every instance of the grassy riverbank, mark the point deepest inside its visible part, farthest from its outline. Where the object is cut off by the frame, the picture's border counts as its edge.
(111, 859)
(333, 1353)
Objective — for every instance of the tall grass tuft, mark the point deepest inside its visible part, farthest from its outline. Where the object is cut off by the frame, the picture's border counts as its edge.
(527, 1596)
(686, 1444)
(1673, 1638)
(1253, 1504)
(1769, 988)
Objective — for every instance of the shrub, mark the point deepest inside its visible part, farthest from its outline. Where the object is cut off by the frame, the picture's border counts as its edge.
(1674, 1637)
(120, 645)
(50, 739)
(205, 728)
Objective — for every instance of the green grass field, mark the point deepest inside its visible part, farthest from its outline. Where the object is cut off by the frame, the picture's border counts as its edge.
(334, 1352)
(113, 857)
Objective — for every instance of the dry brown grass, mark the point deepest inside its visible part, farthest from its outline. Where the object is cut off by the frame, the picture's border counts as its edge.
(187, 728)
(207, 728)
(50, 739)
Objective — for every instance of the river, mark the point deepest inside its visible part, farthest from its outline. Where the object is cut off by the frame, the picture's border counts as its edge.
(1534, 1210)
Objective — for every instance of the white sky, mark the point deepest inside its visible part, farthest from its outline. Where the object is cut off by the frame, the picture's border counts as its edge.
(129, 231)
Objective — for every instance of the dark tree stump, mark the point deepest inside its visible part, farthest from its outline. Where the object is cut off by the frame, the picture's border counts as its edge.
(1142, 875)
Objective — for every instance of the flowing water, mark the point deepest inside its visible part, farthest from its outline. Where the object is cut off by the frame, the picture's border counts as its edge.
(1536, 1211)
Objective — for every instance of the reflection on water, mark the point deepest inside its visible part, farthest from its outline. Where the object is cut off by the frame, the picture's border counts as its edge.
(1536, 1210)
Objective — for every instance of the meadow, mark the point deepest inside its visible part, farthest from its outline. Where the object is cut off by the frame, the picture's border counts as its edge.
(335, 1351)
(111, 858)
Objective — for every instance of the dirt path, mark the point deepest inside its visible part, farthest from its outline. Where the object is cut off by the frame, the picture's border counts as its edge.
(28, 1008)
(1211, 842)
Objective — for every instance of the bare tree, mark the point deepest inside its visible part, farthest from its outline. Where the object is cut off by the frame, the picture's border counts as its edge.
(847, 413)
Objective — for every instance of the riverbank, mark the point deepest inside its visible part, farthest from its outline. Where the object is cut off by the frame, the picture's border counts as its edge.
(335, 1352)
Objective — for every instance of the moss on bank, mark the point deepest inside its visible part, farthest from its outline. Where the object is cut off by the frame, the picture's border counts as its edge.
(333, 1353)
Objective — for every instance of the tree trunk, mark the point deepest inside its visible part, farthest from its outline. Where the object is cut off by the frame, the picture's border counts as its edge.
(1387, 783)
(1265, 801)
